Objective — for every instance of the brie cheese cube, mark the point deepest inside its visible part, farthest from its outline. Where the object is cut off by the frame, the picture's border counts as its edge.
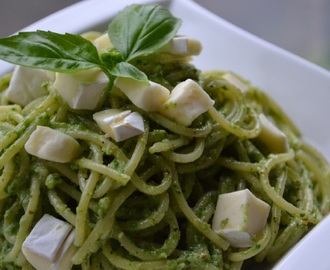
(53, 145)
(148, 97)
(119, 125)
(26, 85)
(50, 244)
(234, 80)
(239, 217)
(187, 101)
(82, 90)
(65, 254)
(183, 45)
(272, 137)
(103, 42)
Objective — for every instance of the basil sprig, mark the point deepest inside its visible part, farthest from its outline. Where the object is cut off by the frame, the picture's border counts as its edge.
(142, 29)
(135, 31)
(48, 50)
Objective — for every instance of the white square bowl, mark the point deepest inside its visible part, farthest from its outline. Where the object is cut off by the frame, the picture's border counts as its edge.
(301, 88)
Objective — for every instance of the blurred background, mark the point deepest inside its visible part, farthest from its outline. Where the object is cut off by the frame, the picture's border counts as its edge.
(299, 26)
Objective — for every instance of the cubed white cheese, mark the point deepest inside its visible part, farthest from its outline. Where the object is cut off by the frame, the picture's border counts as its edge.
(187, 101)
(63, 261)
(119, 125)
(148, 97)
(103, 42)
(81, 90)
(26, 85)
(50, 244)
(183, 45)
(234, 80)
(239, 217)
(53, 145)
(272, 137)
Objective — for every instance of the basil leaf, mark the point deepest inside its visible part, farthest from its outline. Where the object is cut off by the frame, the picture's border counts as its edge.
(142, 29)
(49, 50)
(111, 58)
(124, 69)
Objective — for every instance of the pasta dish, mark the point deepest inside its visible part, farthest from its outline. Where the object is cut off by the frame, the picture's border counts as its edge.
(139, 160)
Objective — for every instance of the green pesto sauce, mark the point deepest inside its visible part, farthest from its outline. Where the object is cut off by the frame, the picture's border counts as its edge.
(103, 204)
(166, 69)
(53, 180)
(118, 166)
(224, 223)
(4, 82)
(190, 260)
(170, 105)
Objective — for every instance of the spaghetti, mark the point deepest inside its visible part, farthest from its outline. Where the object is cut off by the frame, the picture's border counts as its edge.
(148, 202)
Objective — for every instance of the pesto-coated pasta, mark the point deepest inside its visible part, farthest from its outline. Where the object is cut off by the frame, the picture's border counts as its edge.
(148, 202)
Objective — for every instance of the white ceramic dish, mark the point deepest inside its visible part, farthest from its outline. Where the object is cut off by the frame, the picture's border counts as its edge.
(311, 252)
(300, 87)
